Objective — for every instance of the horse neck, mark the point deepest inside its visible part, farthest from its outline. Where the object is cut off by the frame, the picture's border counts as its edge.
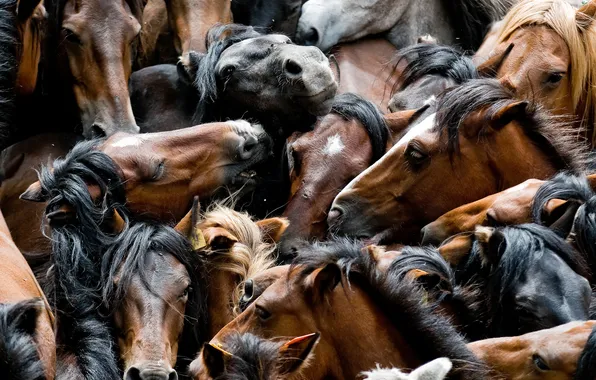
(221, 282)
(422, 18)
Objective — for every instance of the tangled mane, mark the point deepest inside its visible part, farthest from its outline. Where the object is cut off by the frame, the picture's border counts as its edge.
(352, 106)
(564, 186)
(248, 256)
(128, 257)
(8, 70)
(19, 359)
(549, 133)
(428, 334)
(430, 59)
(586, 364)
(580, 38)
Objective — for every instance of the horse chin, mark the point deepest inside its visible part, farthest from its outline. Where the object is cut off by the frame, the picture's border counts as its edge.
(319, 104)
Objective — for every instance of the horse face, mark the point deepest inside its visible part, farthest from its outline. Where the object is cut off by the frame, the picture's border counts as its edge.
(419, 93)
(100, 60)
(271, 74)
(550, 294)
(537, 68)
(149, 321)
(321, 162)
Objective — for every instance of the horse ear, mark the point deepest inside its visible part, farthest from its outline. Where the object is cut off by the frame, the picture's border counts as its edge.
(218, 238)
(398, 122)
(508, 113)
(295, 353)
(559, 215)
(436, 370)
(23, 315)
(273, 228)
(429, 281)
(492, 244)
(456, 248)
(215, 359)
(185, 225)
(25, 8)
(33, 193)
(119, 223)
(585, 15)
(187, 67)
(491, 66)
(325, 279)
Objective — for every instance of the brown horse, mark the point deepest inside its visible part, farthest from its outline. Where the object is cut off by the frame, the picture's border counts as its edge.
(364, 318)
(544, 52)
(481, 140)
(546, 354)
(162, 172)
(32, 316)
(94, 46)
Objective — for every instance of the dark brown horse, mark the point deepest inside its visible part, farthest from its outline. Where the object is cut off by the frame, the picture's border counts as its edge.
(481, 140)
(364, 318)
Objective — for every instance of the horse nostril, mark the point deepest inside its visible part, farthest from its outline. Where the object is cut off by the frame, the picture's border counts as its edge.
(133, 373)
(248, 146)
(334, 215)
(97, 131)
(173, 375)
(292, 68)
(311, 37)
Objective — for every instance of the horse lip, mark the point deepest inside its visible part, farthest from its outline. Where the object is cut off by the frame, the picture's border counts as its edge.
(332, 88)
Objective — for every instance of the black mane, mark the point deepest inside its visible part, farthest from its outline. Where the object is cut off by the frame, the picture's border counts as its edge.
(549, 132)
(8, 69)
(429, 335)
(352, 106)
(586, 365)
(430, 59)
(127, 257)
(563, 186)
(19, 359)
(584, 231)
(472, 18)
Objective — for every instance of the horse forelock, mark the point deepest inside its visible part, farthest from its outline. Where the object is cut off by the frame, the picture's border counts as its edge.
(559, 15)
(586, 364)
(427, 259)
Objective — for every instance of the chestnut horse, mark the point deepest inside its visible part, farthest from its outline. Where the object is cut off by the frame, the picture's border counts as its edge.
(26, 320)
(557, 352)
(545, 52)
(90, 49)
(321, 162)
(481, 140)
(364, 318)
(162, 172)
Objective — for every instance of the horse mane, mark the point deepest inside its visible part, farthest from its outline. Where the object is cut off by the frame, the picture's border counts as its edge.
(19, 358)
(563, 186)
(77, 248)
(584, 231)
(471, 19)
(8, 70)
(428, 334)
(586, 364)
(352, 106)
(559, 15)
(249, 256)
(548, 132)
(127, 257)
(430, 59)
(219, 38)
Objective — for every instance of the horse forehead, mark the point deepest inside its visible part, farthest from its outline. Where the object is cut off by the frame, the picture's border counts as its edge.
(129, 141)
(424, 126)
(334, 145)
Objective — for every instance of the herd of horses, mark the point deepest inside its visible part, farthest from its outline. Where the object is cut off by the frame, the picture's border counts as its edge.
(280, 189)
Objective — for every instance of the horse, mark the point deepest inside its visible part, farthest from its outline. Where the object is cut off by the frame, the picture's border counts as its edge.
(433, 370)
(327, 286)
(27, 344)
(250, 357)
(89, 64)
(162, 172)
(321, 162)
(560, 75)
(153, 287)
(507, 263)
(467, 148)
(558, 352)
(322, 23)
(256, 285)
(22, 32)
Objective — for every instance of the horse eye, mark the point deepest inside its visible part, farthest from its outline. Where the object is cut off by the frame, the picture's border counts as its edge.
(554, 78)
(540, 363)
(228, 71)
(71, 37)
(262, 313)
(159, 170)
(186, 291)
(415, 156)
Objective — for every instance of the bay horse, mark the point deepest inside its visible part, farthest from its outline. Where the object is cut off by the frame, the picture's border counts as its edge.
(90, 48)
(467, 149)
(27, 343)
(544, 51)
(463, 23)
(325, 289)
(162, 172)
(559, 352)
(507, 263)
(246, 356)
(322, 161)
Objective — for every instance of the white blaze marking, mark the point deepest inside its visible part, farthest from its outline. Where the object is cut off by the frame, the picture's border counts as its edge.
(430, 101)
(334, 145)
(128, 141)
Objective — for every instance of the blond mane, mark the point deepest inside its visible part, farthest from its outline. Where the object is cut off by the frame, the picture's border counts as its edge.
(580, 38)
(249, 256)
